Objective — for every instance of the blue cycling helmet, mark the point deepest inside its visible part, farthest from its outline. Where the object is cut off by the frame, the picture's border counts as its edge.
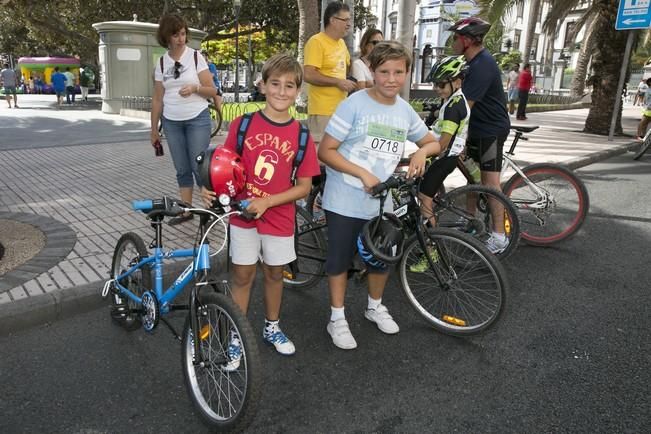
(381, 241)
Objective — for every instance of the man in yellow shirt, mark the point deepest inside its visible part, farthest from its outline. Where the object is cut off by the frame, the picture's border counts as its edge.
(326, 63)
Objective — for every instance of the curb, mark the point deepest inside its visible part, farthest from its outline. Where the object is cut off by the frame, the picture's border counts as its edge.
(64, 303)
(595, 157)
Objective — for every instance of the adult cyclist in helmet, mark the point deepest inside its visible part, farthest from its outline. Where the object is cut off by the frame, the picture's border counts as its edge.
(489, 119)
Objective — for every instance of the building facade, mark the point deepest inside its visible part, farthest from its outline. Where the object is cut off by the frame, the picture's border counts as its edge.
(550, 56)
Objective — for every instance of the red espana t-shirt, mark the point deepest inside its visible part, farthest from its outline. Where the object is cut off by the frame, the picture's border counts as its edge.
(268, 156)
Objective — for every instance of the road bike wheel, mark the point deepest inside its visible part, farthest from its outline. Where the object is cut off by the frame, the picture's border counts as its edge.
(467, 209)
(215, 119)
(471, 295)
(644, 146)
(128, 251)
(226, 399)
(311, 246)
(550, 219)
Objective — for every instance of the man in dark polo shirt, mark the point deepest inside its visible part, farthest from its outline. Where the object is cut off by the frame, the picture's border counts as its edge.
(489, 119)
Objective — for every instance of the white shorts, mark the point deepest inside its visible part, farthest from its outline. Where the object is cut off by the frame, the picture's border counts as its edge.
(248, 246)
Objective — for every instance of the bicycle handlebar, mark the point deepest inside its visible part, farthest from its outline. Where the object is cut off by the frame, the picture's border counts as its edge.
(169, 207)
(392, 182)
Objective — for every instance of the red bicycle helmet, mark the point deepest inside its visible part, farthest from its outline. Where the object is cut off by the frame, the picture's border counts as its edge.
(222, 171)
(474, 27)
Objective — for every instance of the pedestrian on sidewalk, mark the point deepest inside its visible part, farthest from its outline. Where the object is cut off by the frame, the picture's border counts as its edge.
(182, 86)
(9, 82)
(59, 85)
(85, 78)
(326, 61)
(512, 87)
(360, 70)
(642, 87)
(646, 112)
(70, 86)
(524, 86)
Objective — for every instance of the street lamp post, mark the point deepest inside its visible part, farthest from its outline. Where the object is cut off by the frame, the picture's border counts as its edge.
(236, 8)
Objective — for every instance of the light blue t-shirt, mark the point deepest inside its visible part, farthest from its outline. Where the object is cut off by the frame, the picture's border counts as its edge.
(373, 136)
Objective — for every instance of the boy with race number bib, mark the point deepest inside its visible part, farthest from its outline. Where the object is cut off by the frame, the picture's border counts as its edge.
(279, 159)
(362, 146)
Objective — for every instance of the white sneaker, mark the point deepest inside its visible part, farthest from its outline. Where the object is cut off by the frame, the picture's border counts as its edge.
(341, 336)
(495, 245)
(383, 319)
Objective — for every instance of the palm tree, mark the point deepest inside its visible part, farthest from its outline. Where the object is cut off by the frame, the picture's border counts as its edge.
(308, 24)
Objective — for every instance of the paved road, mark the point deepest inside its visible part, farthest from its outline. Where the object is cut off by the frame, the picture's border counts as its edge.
(571, 353)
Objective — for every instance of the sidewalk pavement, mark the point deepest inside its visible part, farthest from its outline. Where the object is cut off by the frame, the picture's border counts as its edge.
(79, 195)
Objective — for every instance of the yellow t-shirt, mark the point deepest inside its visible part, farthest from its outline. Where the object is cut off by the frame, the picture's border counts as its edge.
(331, 58)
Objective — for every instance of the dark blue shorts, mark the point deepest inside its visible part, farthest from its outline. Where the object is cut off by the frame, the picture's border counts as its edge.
(342, 243)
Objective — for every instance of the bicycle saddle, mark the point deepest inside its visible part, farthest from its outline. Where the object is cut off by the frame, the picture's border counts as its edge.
(524, 128)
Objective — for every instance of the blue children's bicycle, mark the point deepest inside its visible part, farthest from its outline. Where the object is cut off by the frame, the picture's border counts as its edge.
(219, 353)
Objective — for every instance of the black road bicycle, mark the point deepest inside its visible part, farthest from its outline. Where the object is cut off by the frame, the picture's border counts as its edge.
(450, 278)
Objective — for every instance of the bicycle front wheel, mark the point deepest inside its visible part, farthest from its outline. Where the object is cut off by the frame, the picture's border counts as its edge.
(225, 393)
(461, 290)
(644, 146)
(310, 246)
(557, 211)
(215, 120)
(128, 252)
(479, 210)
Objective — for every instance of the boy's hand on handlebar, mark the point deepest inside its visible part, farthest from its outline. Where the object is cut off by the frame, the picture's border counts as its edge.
(369, 180)
(258, 206)
(417, 164)
(207, 197)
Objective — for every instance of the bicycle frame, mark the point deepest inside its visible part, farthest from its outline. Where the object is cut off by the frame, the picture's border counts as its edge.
(542, 195)
(201, 262)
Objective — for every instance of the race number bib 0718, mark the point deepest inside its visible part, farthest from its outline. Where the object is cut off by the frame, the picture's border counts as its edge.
(385, 140)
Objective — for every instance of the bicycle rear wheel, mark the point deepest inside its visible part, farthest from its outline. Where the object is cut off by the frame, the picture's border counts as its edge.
(128, 251)
(471, 293)
(644, 146)
(215, 120)
(468, 209)
(226, 396)
(310, 245)
(558, 213)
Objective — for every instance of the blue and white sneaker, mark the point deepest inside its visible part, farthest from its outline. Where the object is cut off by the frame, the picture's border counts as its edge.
(234, 353)
(274, 336)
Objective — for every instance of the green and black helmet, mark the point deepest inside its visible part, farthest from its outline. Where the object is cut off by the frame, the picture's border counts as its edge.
(447, 69)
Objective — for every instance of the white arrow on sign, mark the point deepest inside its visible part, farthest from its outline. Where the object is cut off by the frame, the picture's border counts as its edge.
(630, 21)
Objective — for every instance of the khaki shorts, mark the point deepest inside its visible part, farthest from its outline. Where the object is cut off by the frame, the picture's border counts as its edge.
(248, 246)
(317, 125)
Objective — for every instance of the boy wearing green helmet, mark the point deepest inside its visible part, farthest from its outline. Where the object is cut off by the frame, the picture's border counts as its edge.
(450, 129)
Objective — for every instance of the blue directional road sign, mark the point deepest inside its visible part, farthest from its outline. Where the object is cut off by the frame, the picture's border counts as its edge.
(633, 14)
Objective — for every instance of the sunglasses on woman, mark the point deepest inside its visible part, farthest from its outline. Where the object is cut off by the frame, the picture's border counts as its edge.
(177, 69)
(374, 42)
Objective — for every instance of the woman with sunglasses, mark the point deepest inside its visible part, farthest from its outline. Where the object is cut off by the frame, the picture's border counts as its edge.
(182, 86)
(360, 70)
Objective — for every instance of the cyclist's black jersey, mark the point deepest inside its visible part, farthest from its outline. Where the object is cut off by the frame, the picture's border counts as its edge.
(483, 85)
(453, 120)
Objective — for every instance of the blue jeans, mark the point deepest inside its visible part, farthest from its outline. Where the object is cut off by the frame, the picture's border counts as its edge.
(186, 140)
(70, 90)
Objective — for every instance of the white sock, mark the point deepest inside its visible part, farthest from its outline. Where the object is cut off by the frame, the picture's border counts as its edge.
(373, 303)
(337, 313)
(501, 237)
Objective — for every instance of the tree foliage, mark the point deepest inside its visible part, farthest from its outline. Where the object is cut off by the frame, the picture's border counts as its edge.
(64, 27)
